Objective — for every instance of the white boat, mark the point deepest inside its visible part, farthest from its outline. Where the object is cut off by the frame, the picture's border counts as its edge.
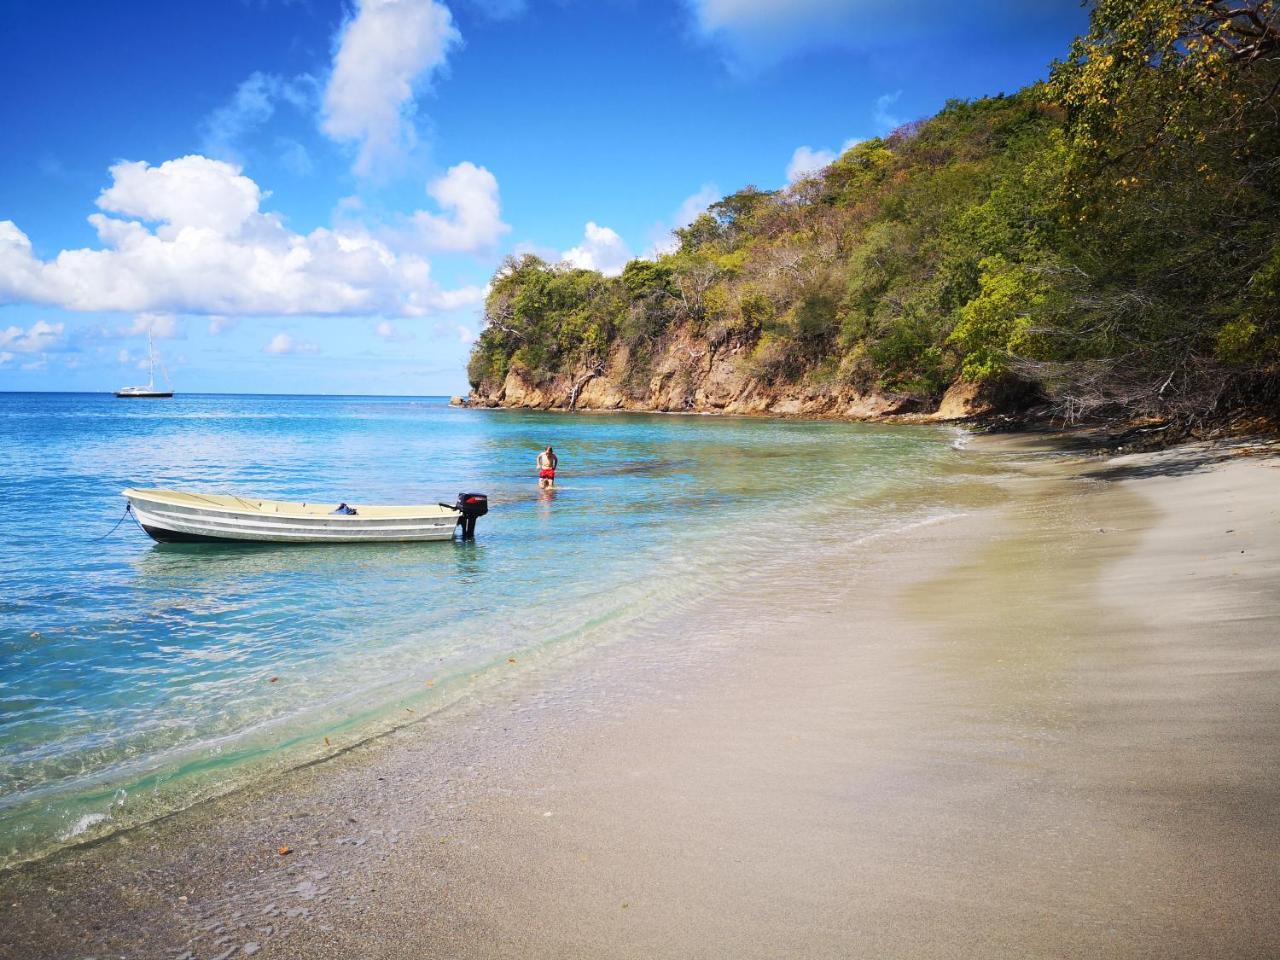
(174, 516)
(150, 389)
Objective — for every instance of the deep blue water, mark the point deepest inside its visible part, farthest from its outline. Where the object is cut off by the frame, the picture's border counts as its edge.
(137, 677)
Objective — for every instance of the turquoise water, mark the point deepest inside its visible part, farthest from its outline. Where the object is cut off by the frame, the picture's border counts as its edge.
(137, 677)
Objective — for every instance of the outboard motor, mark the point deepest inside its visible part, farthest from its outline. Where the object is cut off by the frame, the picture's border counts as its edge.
(473, 506)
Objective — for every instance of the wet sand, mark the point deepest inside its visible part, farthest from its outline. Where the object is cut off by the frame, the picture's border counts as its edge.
(1045, 728)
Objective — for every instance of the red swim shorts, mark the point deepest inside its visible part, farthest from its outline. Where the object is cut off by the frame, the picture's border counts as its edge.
(546, 474)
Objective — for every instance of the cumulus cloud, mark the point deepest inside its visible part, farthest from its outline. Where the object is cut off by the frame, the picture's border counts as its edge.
(472, 220)
(601, 249)
(692, 207)
(385, 54)
(807, 161)
(220, 325)
(282, 344)
(758, 33)
(193, 192)
(40, 337)
(191, 238)
(695, 205)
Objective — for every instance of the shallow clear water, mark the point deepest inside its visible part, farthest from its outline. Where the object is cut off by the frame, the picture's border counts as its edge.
(136, 677)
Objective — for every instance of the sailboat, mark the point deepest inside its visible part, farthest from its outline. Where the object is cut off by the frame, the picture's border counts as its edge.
(150, 389)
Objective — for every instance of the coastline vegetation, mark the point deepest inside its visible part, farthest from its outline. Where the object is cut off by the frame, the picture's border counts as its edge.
(1108, 240)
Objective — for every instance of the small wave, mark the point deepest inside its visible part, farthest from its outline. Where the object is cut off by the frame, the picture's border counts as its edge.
(901, 528)
(83, 825)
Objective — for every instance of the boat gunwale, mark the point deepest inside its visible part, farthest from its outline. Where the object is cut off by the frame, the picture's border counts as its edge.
(148, 495)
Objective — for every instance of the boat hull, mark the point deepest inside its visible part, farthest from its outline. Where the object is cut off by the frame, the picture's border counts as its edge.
(161, 535)
(175, 522)
(144, 395)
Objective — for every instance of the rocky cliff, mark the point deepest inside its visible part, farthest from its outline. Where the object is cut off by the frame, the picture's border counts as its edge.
(687, 374)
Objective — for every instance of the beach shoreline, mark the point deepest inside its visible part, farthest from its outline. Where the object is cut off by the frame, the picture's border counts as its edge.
(1043, 725)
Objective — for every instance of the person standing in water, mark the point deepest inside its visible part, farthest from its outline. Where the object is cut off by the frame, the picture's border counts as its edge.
(547, 461)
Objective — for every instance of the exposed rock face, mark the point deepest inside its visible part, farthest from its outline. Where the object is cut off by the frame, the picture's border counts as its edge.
(687, 374)
(964, 399)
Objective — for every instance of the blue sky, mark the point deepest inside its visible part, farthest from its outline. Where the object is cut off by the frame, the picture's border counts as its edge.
(310, 196)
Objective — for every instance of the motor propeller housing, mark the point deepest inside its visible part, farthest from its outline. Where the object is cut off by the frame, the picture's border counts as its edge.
(472, 506)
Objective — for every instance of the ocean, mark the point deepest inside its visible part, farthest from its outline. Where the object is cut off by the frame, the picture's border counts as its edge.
(138, 678)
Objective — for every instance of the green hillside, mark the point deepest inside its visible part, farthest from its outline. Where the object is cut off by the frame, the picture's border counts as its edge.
(1109, 237)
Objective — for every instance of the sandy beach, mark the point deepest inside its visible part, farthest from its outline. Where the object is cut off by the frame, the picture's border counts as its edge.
(1046, 724)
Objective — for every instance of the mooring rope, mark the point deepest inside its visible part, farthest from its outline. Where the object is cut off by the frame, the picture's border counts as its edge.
(128, 508)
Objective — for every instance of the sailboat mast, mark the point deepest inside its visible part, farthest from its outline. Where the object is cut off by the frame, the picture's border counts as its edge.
(151, 352)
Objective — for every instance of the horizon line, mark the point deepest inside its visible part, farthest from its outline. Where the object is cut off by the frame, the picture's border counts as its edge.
(216, 393)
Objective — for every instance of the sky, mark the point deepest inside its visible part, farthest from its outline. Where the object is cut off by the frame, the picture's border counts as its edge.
(310, 196)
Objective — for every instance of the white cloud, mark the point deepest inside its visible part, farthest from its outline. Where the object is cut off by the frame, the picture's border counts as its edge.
(473, 221)
(884, 120)
(695, 205)
(385, 53)
(252, 105)
(282, 344)
(193, 191)
(211, 249)
(5, 358)
(601, 249)
(806, 161)
(220, 325)
(692, 207)
(162, 326)
(124, 356)
(466, 334)
(37, 338)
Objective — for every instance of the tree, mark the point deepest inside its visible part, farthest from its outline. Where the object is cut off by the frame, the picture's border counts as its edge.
(1112, 236)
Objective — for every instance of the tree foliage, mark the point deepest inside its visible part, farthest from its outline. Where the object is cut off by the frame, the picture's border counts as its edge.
(1112, 235)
